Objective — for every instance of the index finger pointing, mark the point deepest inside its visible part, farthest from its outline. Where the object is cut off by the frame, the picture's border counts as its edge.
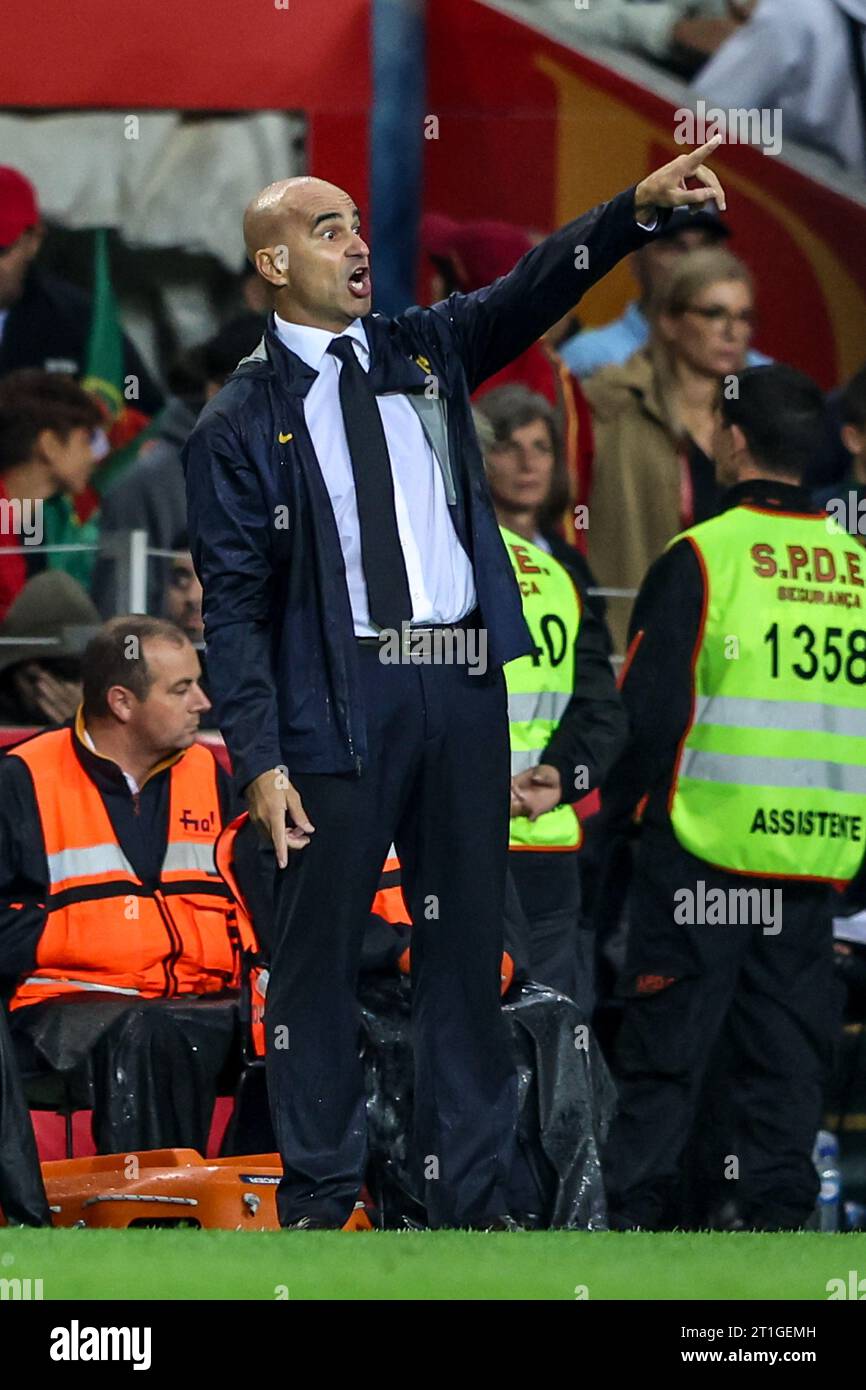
(696, 157)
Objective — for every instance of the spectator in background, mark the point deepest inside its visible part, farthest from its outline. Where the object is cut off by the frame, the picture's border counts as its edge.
(846, 499)
(654, 421)
(679, 33)
(466, 256)
(807, 57)
(615, 342)
(567, 724)
(40, 680)
(181, 605)
(522, 446)
(50, 435)
(151, 494)
(181, 602)
(44, 321)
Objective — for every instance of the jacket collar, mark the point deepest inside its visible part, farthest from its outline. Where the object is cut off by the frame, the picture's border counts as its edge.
(312, 344)
(769, 494)
(639, 376)
(390, 369)
(104, 771)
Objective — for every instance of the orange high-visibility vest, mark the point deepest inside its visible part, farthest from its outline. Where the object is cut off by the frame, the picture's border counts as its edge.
(104, 929)
(390, 904)
(257, 973)
(389, 901)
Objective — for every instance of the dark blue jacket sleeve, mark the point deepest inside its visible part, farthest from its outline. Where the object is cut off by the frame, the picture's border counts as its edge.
(492, 326)
(230, 532)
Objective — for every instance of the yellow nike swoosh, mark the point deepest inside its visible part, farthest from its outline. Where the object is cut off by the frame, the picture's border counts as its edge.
(284, 438)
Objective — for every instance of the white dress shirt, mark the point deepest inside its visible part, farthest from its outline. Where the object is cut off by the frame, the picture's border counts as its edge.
(128, 777)
(441, 582)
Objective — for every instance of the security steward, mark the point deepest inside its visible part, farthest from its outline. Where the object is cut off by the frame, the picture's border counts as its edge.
(745, 688)
(567, 723)
(110, 902)
(567, 726)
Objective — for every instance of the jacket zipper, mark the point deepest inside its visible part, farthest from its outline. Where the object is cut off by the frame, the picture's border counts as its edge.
(176, 941)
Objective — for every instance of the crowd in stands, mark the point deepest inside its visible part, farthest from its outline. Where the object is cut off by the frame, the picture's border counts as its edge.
(614, 424)
(806, 58)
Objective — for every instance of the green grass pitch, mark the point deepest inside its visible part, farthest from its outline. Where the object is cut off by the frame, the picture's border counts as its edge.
(454, 1265)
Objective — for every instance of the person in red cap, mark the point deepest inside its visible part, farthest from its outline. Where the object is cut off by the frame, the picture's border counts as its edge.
(45, 321)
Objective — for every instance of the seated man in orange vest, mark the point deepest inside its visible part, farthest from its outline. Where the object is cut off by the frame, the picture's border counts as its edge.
(120, 946)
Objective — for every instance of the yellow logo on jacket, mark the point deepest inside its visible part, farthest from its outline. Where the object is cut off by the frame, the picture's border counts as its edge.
(284, 438)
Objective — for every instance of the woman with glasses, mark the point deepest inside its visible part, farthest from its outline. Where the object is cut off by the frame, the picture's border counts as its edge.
(654, 417)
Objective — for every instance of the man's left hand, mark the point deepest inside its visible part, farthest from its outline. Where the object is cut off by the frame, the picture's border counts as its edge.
(668, 187)
(536, 790)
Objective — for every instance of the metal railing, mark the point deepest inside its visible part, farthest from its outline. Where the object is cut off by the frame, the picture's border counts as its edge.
(131, 555)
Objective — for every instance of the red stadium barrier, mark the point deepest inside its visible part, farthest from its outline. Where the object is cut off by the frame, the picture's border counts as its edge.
(531, 132)
(211, 55)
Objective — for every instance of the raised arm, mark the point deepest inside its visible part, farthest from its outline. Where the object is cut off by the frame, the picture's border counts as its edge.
(492, 326)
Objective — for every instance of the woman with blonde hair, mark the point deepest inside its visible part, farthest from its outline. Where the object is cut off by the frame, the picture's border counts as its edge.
(653, 419)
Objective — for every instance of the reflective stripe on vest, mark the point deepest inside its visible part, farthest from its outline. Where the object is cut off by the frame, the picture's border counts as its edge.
(540, 686)
(95, 863)
(103, 928)
(771, 775)
(67, 983)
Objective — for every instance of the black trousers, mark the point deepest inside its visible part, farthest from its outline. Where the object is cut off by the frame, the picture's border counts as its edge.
(725, 1045)
(560, 951)
(436, 785)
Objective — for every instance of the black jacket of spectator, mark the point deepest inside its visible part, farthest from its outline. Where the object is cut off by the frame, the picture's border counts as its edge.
(142, 832)
(48, 328)
(282, 659)
(593, 729)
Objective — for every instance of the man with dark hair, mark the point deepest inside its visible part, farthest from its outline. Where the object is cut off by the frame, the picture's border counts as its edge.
(110, 902)
(846, 499)
(744, 688)
(49, 432)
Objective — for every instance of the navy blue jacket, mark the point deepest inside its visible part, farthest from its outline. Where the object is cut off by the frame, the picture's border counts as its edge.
(282, 660)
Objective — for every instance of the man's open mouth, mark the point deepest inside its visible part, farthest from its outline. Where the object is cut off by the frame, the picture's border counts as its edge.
(360, 284)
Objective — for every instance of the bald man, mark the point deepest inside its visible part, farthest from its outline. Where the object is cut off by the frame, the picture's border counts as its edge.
(359, 606)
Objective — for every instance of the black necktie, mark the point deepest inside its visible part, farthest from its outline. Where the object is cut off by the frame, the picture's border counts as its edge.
(381, 553)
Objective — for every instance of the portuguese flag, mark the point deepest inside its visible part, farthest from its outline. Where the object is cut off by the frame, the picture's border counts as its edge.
(104, 378)
(103, 372)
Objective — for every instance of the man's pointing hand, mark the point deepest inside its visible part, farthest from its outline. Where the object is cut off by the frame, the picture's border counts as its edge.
(277, 812)
(668, 187)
